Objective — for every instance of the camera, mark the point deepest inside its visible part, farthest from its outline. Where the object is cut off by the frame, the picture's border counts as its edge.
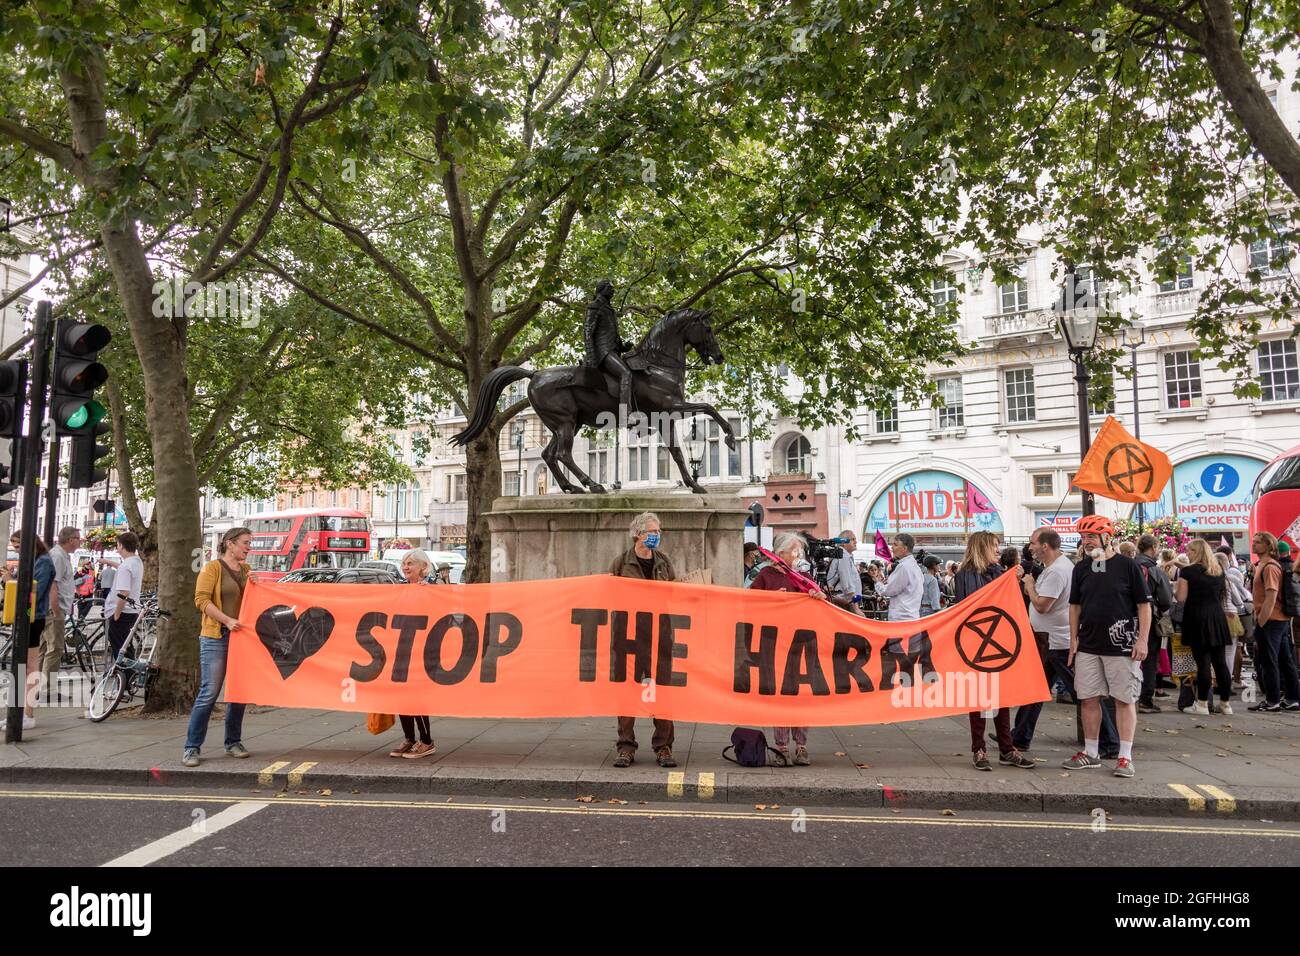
(821, 552)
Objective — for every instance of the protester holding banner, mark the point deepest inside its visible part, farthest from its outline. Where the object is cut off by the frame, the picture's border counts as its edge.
(218, 594)
(1110, 623)
(981, 566)
(645, 559)
(791, 550)
(416, 569)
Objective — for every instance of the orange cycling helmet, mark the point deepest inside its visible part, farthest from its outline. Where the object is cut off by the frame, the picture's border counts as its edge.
(1094, 524)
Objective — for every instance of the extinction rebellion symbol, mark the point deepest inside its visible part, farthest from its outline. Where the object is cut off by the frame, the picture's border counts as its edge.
(988, 640)
(1128, 470)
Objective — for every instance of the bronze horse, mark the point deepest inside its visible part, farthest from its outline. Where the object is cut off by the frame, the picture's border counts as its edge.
(569, 397)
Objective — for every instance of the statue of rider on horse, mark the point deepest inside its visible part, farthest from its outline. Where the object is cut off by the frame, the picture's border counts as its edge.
(613, 380)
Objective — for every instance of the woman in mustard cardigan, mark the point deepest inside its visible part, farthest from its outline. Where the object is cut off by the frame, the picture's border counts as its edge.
(218, 594)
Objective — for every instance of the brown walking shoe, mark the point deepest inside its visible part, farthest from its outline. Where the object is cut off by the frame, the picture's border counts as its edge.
(624, 758)
(664, 756)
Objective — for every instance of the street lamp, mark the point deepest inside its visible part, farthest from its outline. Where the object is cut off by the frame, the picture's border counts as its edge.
(695, 449)
(1079, 329)
(1135, 336)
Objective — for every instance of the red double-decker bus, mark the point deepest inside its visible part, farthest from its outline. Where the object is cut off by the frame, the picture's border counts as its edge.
(284, 541)
(1275, 499)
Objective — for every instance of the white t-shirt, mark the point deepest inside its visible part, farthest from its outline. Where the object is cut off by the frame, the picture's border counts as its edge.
(127, 579)
(1054, 582)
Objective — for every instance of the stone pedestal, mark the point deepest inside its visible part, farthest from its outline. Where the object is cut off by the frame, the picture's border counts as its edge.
(555, 536)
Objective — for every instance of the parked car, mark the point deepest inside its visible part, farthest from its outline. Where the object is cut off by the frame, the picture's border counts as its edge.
(341, 576)
(383, 564)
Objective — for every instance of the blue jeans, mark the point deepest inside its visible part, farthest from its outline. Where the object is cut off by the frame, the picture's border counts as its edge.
(1022, 733)
(212, 674)
(1275, 662)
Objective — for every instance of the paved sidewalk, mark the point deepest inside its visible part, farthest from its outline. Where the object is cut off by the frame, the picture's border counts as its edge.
(1247, 765)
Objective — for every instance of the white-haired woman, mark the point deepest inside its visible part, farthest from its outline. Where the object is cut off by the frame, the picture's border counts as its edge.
(645, 560)
(777, 576)
(415, 570)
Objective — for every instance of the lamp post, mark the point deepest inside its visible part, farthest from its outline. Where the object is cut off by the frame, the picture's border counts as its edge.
(1079, 329)
(1134, 337)
(695, 449)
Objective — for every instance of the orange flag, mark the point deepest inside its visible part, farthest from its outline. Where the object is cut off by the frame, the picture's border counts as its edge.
(1121, 468)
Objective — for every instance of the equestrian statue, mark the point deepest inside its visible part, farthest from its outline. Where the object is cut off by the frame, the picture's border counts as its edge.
(614, 384)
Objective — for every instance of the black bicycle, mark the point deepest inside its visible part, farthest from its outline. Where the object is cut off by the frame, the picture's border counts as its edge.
(132, 670)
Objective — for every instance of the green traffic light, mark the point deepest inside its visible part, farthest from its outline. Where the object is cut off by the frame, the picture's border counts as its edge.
(78, 418)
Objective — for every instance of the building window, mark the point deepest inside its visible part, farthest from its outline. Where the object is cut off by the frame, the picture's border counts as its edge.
(413, 503)
(1279, 373)
(663, 464)
(597, 465)
(1182, 380)
(510, 483)
(798, 456)
(1043, 487)
(1182, 276)
(1270, 253)
(951, 413)
(943, 293)
(456, 487)
(716, 452)
(638, 463)
(887, 418)
(1015, 294)
(1020, 395)
(733, 454)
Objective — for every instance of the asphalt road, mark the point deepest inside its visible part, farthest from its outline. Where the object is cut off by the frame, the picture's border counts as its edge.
(79, 827)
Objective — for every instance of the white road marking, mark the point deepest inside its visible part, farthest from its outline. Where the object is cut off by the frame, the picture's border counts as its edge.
(175, 842)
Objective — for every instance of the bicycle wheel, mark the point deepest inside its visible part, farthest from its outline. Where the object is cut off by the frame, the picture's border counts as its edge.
(106, 695)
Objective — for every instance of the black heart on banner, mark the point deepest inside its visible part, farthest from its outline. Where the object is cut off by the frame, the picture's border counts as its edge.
(292, 638)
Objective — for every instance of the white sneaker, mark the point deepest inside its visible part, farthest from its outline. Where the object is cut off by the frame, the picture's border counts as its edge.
(1225, 708)
(28, 723)
(1200, 708)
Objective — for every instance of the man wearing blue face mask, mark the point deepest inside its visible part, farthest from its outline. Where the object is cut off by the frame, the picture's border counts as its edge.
(644, 560)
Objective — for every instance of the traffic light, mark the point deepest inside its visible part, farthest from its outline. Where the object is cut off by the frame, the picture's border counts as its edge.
(13, 396)
(86, 452)
(73, 408)
(76, 376)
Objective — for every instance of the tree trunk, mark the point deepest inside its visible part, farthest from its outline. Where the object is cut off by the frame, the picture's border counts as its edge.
(482, 487)
(161, 352)
(1237, 82)
(176, 523)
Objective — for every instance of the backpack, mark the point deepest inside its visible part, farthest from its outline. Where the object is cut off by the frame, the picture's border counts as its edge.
(1290, 596)
(1288, 601)
(751, 749)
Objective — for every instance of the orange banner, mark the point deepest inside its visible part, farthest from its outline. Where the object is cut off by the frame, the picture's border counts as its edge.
(1121, 468)
(605, 646)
